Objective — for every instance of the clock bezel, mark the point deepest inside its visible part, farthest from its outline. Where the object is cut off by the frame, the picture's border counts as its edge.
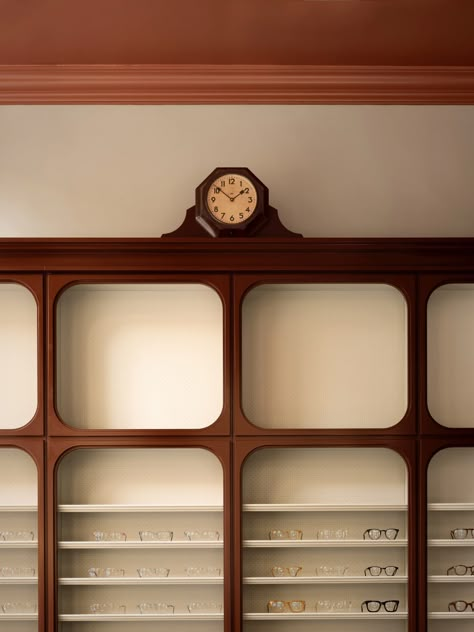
(220, 229)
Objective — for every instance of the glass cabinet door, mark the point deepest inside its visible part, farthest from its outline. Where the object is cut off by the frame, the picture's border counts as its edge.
(451, 541)
(18, 542)
(324, 540)
(18, 356)
(140, 540)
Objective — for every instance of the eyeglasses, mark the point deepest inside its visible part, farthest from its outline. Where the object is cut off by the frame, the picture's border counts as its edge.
(110, 536)
(106, 572)
(461, 606)
(376, 534)
(462, 532)
(155, 608)
(285, 534)
(379, 570)
(153, 572)
(146, 536)
(202, 535)
(460, 569)
(276, 605)
(375, 606)
(286, 571)
(17, 535)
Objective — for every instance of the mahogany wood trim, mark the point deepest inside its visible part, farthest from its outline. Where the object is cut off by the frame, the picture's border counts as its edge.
(135, 255)
(239, 84)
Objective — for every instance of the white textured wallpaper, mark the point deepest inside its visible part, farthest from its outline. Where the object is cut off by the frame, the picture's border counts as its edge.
(332, 171)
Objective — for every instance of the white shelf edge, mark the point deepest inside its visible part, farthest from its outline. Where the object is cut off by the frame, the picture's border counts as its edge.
(451, 615)
(345, 579)
(19, 617)
(322, 616)
(18, 580)
(324, 543)
(449, 543)
(251, 507)
(18, 508)
(138, 544)
(450, 506)
(141, 617)
(138, 508)
(18, 544)
(130, 581)
(448, 579)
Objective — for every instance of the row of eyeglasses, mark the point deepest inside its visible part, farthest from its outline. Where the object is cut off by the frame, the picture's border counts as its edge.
(150, 536)
(192, 571)
(19, 607)
(331, 571)
(202, 607)
(17, 536)
(334, 534)
(343, 605)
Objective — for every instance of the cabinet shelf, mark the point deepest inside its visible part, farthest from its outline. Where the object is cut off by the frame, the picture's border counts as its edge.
(451, 615)
(139, 544)
(18, 580)
(19, 617)
(451, 579)
(451, 543)
(451, 507)
(18, 508)
(18, 544)
(142, 581)
(324, 543)
(141, 617)
(311, 507)
(139, 508)
(358, 579)
(321, 616)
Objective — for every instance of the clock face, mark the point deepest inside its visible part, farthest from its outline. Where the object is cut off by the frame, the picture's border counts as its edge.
(231, 199)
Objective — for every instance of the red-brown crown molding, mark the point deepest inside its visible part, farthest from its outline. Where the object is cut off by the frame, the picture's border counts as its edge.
(235, 84)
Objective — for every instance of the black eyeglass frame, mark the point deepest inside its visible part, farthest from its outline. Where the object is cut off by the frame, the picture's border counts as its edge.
(467, 604)
(382, 531)
(468, 529)
(382, 568)
(380, 604)
(453, 568)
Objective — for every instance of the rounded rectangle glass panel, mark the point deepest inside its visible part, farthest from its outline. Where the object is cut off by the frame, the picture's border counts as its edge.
(330, 490)
(139, 356)
(450, 534)
(18, 355)
(18, 538)
(324, 356)
(450, 355)
(132, 490)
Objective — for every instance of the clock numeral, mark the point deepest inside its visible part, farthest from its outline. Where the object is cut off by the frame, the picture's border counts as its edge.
(216, 190)
(241, 216)
(213, 199)
(250, 200)
(231, 180)
(248, 210)
(232, 218)
(222, 183)
(241, 183)
(246, 190)
(216, 209)
(222, 215)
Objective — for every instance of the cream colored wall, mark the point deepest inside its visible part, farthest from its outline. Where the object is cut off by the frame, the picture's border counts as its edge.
(331, 170)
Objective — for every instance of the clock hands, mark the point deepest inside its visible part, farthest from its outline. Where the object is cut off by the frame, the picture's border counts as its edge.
(228, 196)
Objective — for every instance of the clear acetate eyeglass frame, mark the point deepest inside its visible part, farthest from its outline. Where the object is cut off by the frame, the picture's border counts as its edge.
(460, 569)
(461, 533)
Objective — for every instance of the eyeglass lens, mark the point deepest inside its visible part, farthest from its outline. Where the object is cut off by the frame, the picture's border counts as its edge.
(376, 534)
(378, 570)
(460, 569)
(374, 606)
(462, 532)
(461, 606)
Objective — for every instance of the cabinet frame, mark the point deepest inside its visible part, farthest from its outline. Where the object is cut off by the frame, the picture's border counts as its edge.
(59, 283)
(404, 283)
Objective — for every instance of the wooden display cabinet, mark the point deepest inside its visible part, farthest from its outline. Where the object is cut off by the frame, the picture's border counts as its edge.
(102, 300)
